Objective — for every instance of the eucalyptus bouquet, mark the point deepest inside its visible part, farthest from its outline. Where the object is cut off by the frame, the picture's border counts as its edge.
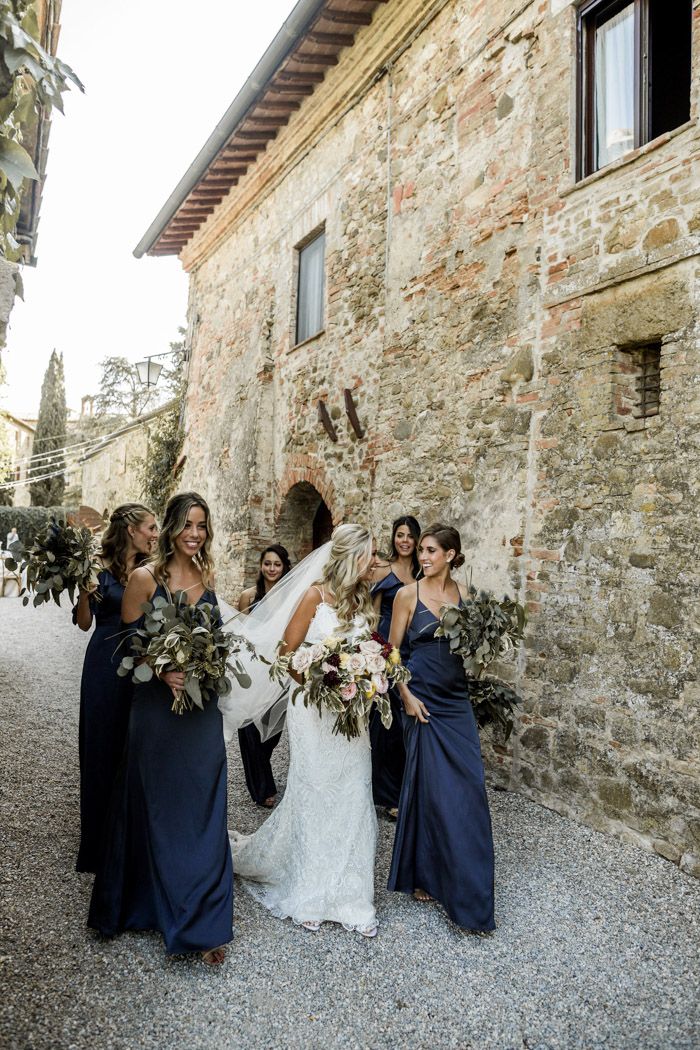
(481, 631)
(62, 558)
(345, 677)
(178, 636)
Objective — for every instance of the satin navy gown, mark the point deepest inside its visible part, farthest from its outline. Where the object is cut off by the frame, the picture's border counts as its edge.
(388, 752)
(104, 718)
(167, 860)
(255, 755)
(443, 841)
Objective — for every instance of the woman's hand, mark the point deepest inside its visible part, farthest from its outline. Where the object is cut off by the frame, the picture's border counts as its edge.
(414, 707)
(175, 680)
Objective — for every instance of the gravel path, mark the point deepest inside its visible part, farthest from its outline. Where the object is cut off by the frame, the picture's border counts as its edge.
(596, 945)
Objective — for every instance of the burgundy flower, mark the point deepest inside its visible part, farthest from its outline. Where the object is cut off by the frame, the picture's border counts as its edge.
(333, 659)
(331, 678)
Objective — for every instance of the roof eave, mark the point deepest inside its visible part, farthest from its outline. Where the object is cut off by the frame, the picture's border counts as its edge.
(291, 32)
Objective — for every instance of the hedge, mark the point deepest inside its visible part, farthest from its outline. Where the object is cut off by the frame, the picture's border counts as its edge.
(28, 520)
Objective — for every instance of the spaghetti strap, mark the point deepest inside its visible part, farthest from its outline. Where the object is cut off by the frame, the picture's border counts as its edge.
(320, 591)
(149, 569)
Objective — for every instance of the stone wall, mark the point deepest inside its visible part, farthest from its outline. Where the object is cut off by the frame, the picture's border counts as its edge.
(480, 304)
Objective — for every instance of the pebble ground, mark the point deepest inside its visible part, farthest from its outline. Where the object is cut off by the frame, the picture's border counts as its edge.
(596, 946)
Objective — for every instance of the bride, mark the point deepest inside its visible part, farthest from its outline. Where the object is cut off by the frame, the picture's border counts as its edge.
(313, 858)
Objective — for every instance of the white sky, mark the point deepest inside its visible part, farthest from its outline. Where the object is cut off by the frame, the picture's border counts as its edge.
(158, 76)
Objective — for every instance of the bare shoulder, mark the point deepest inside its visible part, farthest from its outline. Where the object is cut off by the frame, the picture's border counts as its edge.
(141, 577)
(406, 597)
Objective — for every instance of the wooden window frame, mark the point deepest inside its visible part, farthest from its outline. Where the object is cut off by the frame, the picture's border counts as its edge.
(591, 14)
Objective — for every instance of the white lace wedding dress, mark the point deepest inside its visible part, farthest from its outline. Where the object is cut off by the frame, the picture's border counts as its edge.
(313, 858)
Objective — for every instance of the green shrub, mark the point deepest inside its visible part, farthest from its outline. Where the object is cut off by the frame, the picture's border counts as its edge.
(28, 521)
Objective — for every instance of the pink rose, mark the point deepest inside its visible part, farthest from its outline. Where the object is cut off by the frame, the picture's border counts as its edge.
(348, 691)
(381, 684)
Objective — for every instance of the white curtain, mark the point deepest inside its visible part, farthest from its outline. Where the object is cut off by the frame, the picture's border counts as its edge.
(311, 288)
(614, 87)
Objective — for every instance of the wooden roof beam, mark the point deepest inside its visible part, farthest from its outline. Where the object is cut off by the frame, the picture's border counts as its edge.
(348, 18)
(292, 89)
(334, 39)
(296, 76)
(320, 59)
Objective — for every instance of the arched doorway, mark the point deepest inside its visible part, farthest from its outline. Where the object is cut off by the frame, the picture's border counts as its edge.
(305, 521)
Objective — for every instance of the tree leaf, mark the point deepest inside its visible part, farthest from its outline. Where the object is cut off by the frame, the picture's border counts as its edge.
(16, 162)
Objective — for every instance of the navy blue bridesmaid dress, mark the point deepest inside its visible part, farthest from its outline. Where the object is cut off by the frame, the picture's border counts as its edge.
(167, 860)
(104, 718)
(443, 843)
(388, 752)
(256, 754)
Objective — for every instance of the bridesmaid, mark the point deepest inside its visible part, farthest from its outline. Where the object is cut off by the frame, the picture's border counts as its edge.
(167, 862)
(104, 697)
(388, 752)
(256, 754)
(443, 847)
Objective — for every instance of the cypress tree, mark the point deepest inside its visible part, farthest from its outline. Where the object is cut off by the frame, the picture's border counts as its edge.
(50, 435)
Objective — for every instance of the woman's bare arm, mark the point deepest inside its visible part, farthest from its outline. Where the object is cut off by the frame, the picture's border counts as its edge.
(404, 608)
(83, 612)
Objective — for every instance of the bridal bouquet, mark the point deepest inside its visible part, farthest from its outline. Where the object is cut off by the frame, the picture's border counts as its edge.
(62, 558)
(346, 677)
(481, 631)
(178, 636)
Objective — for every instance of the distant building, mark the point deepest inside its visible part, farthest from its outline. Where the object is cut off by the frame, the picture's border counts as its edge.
(20, 436)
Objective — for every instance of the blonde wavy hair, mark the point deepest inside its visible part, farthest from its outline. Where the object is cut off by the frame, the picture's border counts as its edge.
(114, 542)
(174, 522)
(350, 555)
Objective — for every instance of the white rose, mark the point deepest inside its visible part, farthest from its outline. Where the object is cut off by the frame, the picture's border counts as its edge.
(302, 659)
(370, 647)
(318, 651)
(356, 663)
(381, 684)
(376, 663)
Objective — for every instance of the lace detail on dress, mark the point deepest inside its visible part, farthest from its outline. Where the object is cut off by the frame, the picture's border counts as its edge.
(313, 858)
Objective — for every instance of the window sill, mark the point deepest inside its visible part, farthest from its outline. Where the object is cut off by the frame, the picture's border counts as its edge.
(306, 342)
(629, 158)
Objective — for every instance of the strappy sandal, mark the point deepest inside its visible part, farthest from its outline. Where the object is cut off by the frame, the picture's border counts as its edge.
(313, 927)
(214, 956)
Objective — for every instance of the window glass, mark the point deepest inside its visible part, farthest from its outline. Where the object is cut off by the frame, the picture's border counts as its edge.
(614, 87)
(310, 289)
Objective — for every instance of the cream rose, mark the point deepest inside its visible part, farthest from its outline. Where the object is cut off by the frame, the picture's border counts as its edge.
(302, 659)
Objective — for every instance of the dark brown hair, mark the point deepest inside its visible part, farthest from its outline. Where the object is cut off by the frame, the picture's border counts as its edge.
(448, 538)
(282, 554)
(115, 539)
(414, 528)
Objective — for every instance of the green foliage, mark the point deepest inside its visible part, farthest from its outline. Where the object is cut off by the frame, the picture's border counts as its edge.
(481, 631)
(49, 437)
(179, 636)
(62, 558)
(31, 80)
(165, 437)
(121, 392)
(29, 521)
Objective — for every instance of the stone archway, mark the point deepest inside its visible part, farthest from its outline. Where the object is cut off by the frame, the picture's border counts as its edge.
(304, 521)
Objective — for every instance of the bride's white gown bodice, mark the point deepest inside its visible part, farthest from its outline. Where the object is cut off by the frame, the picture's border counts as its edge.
(313, 858)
